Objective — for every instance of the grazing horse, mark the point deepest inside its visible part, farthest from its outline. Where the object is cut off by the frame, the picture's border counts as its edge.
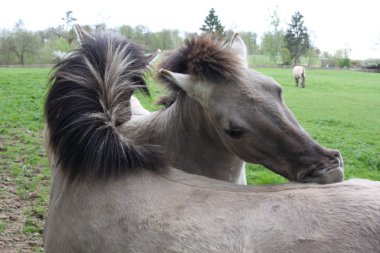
(299, 73)
(112, 193)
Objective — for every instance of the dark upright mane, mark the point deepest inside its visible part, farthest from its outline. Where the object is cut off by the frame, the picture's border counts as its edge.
(204, 58)
(88, 99)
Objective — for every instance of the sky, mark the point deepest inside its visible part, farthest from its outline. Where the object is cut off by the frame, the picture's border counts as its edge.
(332, 24)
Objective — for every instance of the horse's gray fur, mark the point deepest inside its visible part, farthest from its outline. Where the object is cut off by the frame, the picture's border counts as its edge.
(124, 198)
(220, 95)
(179, 212)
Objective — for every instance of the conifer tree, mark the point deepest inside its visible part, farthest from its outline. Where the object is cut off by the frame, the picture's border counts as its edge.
(212, 24)
(297, 38)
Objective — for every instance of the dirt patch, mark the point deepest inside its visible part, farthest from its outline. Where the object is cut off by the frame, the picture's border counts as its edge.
(12, 236)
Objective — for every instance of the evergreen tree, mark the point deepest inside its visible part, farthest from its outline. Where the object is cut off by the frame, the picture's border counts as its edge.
(212, 24)
(297, 38)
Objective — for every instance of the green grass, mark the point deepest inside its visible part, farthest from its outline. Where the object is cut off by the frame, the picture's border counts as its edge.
(340, 109)
(22, 154)
(265, 60)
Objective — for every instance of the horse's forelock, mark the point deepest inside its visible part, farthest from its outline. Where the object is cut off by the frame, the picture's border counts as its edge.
(203, 57)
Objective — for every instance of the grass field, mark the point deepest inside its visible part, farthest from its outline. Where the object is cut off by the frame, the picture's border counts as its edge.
(340, 109)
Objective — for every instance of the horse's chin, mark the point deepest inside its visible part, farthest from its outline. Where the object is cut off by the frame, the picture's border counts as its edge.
(325, 176)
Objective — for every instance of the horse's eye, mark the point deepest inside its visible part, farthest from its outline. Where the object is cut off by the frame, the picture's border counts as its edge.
(234, 132)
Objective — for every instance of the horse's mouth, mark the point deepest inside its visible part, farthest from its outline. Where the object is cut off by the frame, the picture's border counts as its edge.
(332, 173)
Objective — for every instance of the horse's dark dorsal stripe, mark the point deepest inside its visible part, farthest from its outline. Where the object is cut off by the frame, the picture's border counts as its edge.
(204, 58)
(88, 100)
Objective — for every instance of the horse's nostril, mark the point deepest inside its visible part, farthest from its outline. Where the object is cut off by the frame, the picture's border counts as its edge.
(335, 155)
(337, 158)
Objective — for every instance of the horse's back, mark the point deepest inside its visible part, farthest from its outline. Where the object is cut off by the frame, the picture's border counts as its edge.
(298, 71)
(151, 213)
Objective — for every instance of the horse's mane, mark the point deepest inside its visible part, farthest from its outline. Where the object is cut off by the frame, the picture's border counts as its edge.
(88, 100)
(205, 58)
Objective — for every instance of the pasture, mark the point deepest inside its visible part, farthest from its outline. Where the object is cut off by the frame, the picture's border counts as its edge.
(340, 109)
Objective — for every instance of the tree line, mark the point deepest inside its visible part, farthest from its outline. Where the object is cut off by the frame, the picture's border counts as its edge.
(282, 47)
(286, 47)
(21, 46)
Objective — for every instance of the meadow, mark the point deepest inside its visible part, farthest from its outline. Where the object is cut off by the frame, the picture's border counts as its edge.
(340, 109)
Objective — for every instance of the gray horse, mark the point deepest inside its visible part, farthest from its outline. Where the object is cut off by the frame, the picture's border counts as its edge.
(190, 136)
(110, 193)
(220, 113)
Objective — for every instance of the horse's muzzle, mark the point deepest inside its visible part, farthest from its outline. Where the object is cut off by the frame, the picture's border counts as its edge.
(326, 173)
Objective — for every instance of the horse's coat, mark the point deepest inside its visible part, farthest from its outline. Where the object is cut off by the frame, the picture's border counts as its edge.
(111, 193)
(299, 73)
(216, 111)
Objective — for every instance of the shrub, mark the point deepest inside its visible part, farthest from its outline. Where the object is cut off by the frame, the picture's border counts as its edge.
(371, 64)
(285, 56)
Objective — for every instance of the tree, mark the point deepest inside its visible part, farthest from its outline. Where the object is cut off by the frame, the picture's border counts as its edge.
(285, 56)
(212, 24)
(69, 19)
(326, 55)
(165, 39)
(297, 38)
(127, 31)
(312, 53)
(69, 34)
(20, 43)
(267, 47)
(6, 56)
(273, 40)
(271, 44)
(101, 24)
(277, 35)
(168, 39)
(342, 58)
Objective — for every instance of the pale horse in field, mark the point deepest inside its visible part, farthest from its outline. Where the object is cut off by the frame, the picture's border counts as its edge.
(112, 193)
(299, 73)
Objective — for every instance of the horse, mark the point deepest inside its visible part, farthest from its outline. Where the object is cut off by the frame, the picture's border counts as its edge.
(111, 192)
(197, 147)
(232, 115)
(299, 73)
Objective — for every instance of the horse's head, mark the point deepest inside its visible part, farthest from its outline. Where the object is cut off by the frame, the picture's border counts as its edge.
(247, 110)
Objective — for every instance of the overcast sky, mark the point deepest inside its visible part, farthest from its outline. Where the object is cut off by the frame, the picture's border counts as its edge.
(332, 24)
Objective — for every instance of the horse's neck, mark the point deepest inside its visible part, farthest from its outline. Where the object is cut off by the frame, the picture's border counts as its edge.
(190, 140)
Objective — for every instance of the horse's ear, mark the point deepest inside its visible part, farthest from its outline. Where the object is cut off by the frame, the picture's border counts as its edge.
(238, 45)
(192, 87)
(81, 33)
(182, 80)
(151, 58)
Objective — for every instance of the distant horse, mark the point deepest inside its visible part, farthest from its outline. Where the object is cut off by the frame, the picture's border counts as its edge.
(299, 73)
(111, 193)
